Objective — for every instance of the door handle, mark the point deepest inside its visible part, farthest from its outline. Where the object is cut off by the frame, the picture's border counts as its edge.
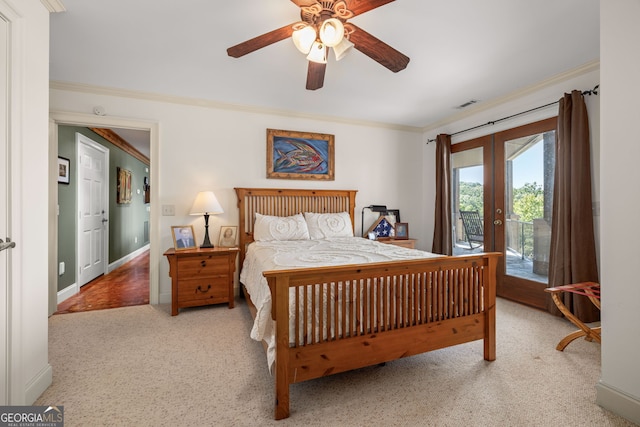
(104, 220)
(9, 244)
(497, 222)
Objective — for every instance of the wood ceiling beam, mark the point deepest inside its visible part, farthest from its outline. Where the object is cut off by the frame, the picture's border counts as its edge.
(117, 140)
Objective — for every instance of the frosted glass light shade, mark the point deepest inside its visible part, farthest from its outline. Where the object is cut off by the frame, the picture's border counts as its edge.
(206, 203)
(331, 32)
(342, 48)
(303, 38)
(318, 53)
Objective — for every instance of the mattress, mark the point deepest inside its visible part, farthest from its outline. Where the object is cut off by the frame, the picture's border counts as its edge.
(280, 255)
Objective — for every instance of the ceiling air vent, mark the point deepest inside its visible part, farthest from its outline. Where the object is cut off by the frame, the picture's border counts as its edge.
(466, 104)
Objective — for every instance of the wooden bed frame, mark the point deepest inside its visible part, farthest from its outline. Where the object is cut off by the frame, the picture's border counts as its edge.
(385, 311)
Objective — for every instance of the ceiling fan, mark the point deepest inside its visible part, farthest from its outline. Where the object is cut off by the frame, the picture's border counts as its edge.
(323, 26)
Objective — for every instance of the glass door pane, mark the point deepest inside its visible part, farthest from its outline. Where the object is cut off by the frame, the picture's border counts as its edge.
(529, 165)
(524, 159)
(468, 196)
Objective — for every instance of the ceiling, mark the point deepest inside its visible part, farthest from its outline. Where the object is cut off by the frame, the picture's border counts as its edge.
(460, 51)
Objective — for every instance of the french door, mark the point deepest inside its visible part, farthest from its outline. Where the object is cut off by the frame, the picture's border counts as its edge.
(507, 178)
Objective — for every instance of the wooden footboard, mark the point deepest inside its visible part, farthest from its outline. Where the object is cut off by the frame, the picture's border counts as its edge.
(335, 319)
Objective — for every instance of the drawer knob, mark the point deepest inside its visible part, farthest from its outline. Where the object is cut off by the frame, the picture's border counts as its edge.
(203, 263)
(203, 290)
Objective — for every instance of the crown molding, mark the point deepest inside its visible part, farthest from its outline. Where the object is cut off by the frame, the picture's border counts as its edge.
(205, 103)
(559, 78)
(54, 6)
(117, 140)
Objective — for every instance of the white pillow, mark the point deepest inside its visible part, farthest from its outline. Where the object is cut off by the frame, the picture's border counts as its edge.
(326, 225)
(268, 228)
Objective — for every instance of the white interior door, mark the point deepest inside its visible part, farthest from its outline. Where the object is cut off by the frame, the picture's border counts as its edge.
(4, 213)
(93, 209)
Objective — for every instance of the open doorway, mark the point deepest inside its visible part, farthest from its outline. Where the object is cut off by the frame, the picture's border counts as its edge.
(131, 247)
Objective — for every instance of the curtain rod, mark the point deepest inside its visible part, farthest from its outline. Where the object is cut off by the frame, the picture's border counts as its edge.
(593, 91)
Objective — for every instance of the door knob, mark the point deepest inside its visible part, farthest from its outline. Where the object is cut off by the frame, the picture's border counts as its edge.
(497, 222)
(7, 245)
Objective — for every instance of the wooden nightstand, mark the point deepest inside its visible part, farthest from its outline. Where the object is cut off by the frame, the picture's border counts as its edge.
(201, 276)
(405, 243)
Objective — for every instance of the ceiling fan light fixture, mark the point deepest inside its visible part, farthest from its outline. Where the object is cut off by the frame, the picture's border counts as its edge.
(303, 37)
(318, 53)
(331, 32)
(342, 49)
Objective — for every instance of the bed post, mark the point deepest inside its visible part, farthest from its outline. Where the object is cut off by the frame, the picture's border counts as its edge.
(490, 307)
(279, 287)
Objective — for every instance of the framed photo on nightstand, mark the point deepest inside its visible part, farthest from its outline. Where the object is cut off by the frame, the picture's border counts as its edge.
(228, 236)
(402, 230)
(183, 237)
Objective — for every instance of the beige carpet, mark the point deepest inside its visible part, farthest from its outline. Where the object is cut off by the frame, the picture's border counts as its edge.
(138, 366)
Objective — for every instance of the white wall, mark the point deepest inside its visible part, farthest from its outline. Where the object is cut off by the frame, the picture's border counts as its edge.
(619, 387)
(30, 373)
(205, 147)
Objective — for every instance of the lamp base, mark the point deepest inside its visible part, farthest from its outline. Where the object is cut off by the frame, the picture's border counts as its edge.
(206, 243)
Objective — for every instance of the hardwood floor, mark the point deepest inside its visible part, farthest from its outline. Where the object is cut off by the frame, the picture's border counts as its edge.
(125, 286)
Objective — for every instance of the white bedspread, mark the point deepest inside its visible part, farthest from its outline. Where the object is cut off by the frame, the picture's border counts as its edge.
(280, 255)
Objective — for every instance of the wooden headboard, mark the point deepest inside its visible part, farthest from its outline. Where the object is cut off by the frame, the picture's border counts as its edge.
(285, 202)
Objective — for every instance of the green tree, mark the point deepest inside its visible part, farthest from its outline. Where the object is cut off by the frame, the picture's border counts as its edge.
(528, 201)
(471, 197)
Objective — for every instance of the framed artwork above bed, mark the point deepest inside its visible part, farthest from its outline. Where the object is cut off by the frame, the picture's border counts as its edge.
(300, 155)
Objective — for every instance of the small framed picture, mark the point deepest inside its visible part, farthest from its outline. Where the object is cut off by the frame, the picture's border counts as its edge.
(402, 230)
(228, 235)
(183, 237)
(393, 214)
(63, 170)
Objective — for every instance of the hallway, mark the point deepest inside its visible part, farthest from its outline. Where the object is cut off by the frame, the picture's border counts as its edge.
(126, 286)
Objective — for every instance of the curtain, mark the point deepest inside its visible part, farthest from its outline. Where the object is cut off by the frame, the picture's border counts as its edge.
(573, 249)
(442, 224)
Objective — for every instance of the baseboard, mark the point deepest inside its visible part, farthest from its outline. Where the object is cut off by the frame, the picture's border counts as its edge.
(67, 292)
(125, 259)
(38, 385)
(618, 402)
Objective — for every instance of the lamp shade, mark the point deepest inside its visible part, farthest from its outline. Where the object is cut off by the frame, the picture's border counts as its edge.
(303, 37)
(206, 204)
(342, 48)
(331, 32)
(318, 53)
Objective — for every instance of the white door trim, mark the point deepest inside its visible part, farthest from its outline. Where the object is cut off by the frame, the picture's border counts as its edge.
(89, 120)
(5, 209)
(13, 363)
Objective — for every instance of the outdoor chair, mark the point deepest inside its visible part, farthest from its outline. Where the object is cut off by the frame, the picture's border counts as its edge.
(473, 228)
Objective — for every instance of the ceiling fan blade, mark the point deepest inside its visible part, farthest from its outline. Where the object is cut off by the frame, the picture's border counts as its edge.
(378, 50)
(315, 75)
(261, 41)
(361, 6)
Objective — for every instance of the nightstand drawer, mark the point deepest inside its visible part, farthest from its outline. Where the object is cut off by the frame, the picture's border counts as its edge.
(202, 266)
(201, 276)
(211, 289)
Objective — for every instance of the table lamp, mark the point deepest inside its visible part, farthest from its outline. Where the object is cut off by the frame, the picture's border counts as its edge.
(206, 204)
